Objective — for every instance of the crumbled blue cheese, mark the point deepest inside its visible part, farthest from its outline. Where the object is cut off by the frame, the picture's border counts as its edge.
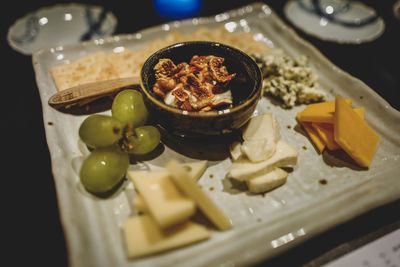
(290, 80)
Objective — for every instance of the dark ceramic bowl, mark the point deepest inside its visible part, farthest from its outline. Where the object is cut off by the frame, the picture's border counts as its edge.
(245, 88)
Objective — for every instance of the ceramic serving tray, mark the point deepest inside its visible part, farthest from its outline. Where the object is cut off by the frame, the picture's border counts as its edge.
(321, 191)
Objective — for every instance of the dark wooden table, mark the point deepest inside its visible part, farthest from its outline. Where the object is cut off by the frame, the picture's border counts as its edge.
(30, 217)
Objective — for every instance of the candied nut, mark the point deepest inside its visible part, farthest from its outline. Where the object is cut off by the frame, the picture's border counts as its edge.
(180, 93)
(186, 105)
(158, 91)
(197, 88)
(181, 69)
(164, 68)
(199, 85)
(166, 84)
(199, 62)
(219, 71)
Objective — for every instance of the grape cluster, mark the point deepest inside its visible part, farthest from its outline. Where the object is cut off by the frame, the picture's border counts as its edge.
(113, 138)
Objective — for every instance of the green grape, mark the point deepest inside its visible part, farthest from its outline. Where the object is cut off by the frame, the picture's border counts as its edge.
(128, 107)
(103, 169)
(100, 130)
(145, 140)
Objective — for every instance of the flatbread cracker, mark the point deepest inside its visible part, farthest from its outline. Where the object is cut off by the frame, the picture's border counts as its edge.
(87, 69)
(125, 64)
(104, 66)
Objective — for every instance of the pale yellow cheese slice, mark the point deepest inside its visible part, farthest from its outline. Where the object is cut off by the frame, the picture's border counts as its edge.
(353, 134)
(139, 204)
(192, 190)
(268, 181)
(167, 205)
(195, 169)
(143, 236)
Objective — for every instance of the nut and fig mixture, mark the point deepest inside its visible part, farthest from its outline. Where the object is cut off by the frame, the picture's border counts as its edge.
(201, 85)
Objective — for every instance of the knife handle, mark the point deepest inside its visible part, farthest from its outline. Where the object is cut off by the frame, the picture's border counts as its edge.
(85, 93)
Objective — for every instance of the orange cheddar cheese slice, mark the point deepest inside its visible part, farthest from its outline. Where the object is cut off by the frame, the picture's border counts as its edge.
(328, 117)
(353, 134)
(360, 112)
(316, 140)
(325, 132)
(319, 112)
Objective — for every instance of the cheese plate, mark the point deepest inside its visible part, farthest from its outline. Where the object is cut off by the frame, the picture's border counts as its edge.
(320, 192)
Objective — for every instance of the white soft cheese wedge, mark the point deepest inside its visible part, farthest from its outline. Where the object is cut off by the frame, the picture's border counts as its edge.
(268, 181)
(195, 169)
(244, 169)
(258, 150)
(164, 201)
(143, 236)
(235, 150)
(192, 190)
(260, 137)
(262, 126)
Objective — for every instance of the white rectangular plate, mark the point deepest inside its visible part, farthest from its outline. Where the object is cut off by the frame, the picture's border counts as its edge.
(264, 225)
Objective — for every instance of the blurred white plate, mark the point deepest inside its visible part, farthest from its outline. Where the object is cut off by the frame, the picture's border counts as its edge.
(264, 225)
(340, 21)
(396, 9)
(60, 25)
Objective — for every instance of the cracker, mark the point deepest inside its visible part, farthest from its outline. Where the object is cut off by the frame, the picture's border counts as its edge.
(126, 64)
(91, 68)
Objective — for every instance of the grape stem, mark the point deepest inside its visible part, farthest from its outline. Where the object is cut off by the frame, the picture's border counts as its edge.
(128, 133)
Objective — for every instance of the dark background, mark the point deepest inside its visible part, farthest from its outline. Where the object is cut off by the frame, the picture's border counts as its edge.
(30, 220)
